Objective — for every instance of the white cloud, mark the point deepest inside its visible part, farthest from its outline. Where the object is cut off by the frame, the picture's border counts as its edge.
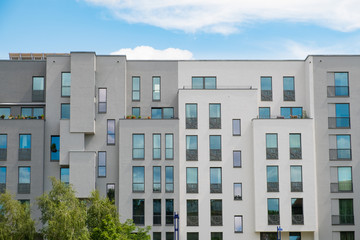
(149, 53)
(226, 16)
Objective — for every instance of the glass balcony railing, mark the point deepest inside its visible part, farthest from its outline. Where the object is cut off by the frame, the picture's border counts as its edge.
(337, 91)
(340, 154)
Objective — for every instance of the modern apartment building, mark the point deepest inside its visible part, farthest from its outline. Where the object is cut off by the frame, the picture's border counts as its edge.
(235, 148)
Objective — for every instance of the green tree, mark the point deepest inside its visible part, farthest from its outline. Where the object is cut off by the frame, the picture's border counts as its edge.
(15, 219)
(62, 214)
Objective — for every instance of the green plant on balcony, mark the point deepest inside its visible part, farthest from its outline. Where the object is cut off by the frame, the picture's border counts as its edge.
(2, 116)
(139, 117)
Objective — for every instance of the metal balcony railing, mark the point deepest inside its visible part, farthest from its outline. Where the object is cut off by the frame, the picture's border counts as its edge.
(215, 123)
(272, 153)
(342, 219)
(274, 219)
(289, 95)
(192, 188)
(216, 188)
(38, 96)
(341, 187)
(139, 219)
(191, 123)
(215, 154)
(3, 154)
(24, 188)
(296, 186)
(297, 219)
(191, 154)
(340, 154)
(337, 91)
(295, 153)
(266, 95)
(24, 153)
(192, 221)
(216, 220)
(339, 122)
(273, 186)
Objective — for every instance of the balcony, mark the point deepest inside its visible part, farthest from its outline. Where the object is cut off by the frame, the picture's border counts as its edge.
(2, 187)
(295, 153)
(342, 219)
(215, 154)
(215, 188)
(272, 153)
(337, 91)
(38, 96)
(289, 95)
(25, 154)
(156, 219)
(191, 123)
(216, 220)
(273, 219)
(169, 219)
(296, 186)
(3, 154)
(191, 154)
(340, 154)
(139, 219)
(215, 123)
(192, 221)
(192, 188)
(266, 95)
(341, 187)
(273, 186)
(23, 188)
(339, 122)
(297, 219)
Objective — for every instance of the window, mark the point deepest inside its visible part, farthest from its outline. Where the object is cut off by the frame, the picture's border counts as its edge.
(237, 191)
(216, 212)
(236, 127)
(191, 148)
(296, 178)
(168, 113)
(342, 115)
(55, 148)
(156, 235)
(5, 112)
(295, 236)
(169, 146)
(297, 211)
(346, 211)
(156, 89)
(192, 180)
(136, 112)
(32, 112)
(273, 211)
(38, 89)
(102, 105)
(291, 112)
(110, 191)
(65, 84)
(343, 148)
(264, 112)
(138, 146)
(110, 132)
(289, 89)
(271, 146)
(237, 159)
(191, 115)
(238, 224)
(25, 147)
(24, 180)
(102, 164)
(156, 211)
(295, 145)
(65, 111)
(156, 146)
(215, 180)
(162, 113)
(266, 89)
(192, 213)
(136, 88)
(347, 236)
(203, 82)
(169, 179)
(139, 211)
(272, 175)
(3, 146)
(64, 175)
(214, 116)
(268, 236)
(344, 176)
(2, 179)
(215, 148)
(169, 211)
(192, 236)
(341, 88)
(138, 179)
(216, 236)
(169, 236)
(156, 179)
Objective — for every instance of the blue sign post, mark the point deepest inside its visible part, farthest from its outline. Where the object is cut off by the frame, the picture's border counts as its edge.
(278, 232)
(176, 226)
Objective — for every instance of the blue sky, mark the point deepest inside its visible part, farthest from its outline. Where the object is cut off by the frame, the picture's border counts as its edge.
(196, 29)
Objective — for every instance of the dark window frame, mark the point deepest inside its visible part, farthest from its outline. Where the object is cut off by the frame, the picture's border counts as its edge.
(62, 85)
(132, 89)
(132, 139)
(153, 91)
(61, 111)
(172, 146)
(111, 134)
(102, 166)
(57, 148)
(99, 102)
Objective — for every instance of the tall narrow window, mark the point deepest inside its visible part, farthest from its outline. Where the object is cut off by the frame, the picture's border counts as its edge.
(169, 179)
(38, 89)
(341, 83)
(55, 148)
(3, 147)
(272, 175)
(138, 146)
(156, 146)
(2, 179)
(139, 211)
(236, 127)
(295, 146)
(345, 179)
(65, 111)
(64, 175)
(342, 115)
(65, 84)
(296, 178)
(6, 112)
(156, 179)
(271, 146)
(214, 116)
(273, 211)
(136, 88)
(25, 147)
(289, 89)
(297, 211)
(346, 211)
(102, 164)
(215, 148)
(169, 146)
(238, 224)
(236, 159)
(169, 211)
(102, 103)
(24, 180)
(136, 111)
(138, 179)
(191, 115)
(111, 132)
(343, 148)
(191, 148)
(347, 236)
(156, 89)
(237, 191)
(216, 212)
(215, 180)
(264, 112)
(192, 212)
(192, 180)
(266, 88)
(110, 191)
(156, 211)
